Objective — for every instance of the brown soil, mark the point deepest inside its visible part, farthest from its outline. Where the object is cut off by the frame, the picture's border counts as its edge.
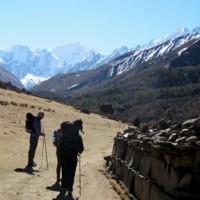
(14, 144)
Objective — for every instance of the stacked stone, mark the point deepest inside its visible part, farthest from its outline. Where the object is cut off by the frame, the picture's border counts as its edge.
(161, 163)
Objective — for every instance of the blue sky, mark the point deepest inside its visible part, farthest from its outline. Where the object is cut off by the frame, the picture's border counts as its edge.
(102, 25)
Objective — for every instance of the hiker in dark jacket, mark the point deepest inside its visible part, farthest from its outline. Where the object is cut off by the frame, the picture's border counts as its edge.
(34, 136)
(56, 139)
(71, 145)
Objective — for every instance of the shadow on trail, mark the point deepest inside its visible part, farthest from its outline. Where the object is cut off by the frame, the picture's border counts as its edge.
(62, 196)
(26, 170)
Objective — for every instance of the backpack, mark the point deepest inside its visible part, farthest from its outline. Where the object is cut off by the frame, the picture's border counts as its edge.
(69, 141)
(56, 137)
(79, 124)
(29, 123)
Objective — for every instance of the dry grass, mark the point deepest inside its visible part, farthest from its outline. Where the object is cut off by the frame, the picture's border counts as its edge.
(118, 187)
(14, 142)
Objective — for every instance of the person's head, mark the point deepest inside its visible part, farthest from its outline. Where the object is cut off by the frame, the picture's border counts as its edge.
(41, 114)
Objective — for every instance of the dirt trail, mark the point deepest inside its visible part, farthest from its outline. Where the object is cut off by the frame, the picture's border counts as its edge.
(98, 141)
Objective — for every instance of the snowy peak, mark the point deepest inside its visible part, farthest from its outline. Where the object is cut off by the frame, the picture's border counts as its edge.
(178, 33)
(120, 51)
(72, 53)
(21, 53)
(137, 57)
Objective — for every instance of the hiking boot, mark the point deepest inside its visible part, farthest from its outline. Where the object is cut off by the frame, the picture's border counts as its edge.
(28, 168)
(32, 164)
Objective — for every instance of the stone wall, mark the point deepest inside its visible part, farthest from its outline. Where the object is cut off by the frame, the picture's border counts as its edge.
(159, 164)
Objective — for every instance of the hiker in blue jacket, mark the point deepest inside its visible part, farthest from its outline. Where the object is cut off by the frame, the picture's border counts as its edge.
(34, 136)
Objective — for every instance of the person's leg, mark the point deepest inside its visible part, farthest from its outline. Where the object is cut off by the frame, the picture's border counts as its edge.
(58, 168)
(32, 149)
(71, 174)
(64, 171)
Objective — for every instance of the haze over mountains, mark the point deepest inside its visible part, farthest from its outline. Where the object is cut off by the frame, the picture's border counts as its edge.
(34, 66)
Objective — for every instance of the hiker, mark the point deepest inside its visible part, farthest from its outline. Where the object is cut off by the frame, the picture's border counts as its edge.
(56, 139)
(34, 136)
(71, 146)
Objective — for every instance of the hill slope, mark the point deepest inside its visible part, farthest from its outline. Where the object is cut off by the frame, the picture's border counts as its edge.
(98, 140)
(6, 77)
(159, 82)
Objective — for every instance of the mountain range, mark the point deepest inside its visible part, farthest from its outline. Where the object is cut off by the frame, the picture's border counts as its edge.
(158, 79)
(35, 66)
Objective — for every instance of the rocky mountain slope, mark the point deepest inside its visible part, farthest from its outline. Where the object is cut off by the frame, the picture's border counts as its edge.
(7, 77)
(162, 81)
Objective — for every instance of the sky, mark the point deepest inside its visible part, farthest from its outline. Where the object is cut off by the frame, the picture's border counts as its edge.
(101, 25)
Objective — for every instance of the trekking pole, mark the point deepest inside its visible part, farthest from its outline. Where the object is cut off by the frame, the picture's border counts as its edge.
(42, 154)
(46, 153)
(80, 175)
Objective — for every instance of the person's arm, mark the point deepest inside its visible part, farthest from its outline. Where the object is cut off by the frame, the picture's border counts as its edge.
(81, 147)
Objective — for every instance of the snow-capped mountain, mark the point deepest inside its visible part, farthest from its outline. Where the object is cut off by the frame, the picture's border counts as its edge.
(178, 33)
(142, 55)
(94, 59)
(158, 82)
(87, 62)
(34, 66)
(72, 53)
(134, 60)
(21, 60)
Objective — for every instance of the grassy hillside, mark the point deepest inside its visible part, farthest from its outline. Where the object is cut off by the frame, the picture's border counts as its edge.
(150, 94)
(14, 142)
